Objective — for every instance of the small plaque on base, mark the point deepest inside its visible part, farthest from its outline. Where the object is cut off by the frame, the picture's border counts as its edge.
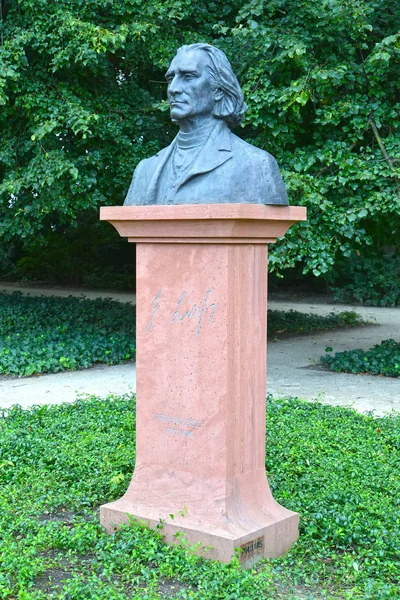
(251, 549)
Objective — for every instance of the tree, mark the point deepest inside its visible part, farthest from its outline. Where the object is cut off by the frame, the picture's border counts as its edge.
(82, 101)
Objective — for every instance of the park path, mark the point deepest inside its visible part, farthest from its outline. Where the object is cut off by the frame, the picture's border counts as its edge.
(292, 363)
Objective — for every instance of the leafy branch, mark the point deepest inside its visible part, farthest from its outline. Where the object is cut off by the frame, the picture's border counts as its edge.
(384, 152)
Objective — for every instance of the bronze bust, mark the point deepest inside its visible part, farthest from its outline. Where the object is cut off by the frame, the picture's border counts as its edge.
(206, 163)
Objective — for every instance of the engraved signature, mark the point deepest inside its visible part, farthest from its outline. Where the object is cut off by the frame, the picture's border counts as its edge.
(195, 311)
(184, 310)
(155, 305)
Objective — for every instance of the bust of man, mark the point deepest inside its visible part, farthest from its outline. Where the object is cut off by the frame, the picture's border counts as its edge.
(206, 163)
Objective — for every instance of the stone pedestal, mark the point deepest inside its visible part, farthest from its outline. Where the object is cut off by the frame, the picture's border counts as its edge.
(201, 377)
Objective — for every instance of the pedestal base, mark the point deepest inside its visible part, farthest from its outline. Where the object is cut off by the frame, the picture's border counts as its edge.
(201, 380)
(217, 540)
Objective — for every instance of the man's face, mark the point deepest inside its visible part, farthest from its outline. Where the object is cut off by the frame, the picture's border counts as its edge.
(189, 87)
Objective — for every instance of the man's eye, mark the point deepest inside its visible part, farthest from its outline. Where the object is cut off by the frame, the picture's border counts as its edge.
(188, 77)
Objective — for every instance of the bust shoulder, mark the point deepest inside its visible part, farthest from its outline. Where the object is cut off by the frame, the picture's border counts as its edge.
(151, 161)
(261, 168)
(254, 153)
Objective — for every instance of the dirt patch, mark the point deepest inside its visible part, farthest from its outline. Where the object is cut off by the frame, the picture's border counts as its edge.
(52, 580)
(302, 592)
(66, 516)
(61, 569)
(168, 588)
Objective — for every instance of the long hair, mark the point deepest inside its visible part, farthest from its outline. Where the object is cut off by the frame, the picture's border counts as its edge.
(231, 107)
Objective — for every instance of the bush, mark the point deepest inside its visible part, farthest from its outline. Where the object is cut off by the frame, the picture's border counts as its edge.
(46, 334)
(374, 281)
(83, 101)
(382, 359)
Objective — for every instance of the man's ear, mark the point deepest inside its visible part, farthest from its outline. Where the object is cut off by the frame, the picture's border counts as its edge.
(219, 94)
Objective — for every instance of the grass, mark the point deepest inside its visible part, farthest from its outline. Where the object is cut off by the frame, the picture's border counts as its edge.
(382, 359)
(49, 334)
(337, 468)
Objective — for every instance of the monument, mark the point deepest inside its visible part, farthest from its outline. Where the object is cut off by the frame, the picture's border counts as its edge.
(202, 212)
(206, 163)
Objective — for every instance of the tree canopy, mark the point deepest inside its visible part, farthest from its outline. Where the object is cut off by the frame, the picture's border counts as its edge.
(82, 100)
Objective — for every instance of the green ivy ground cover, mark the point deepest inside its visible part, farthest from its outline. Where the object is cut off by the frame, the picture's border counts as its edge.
(382, 359)
(46, 334)
(337, 468)
(51, 334)
(293, 321)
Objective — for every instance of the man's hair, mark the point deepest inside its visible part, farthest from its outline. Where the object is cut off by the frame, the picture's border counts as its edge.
(231, 107)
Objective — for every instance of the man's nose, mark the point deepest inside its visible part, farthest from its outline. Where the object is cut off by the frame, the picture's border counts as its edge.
(175, 86)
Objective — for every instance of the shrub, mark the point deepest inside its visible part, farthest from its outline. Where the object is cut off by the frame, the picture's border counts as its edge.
(382, 359)
(91, 254)
(373, 281)
(293, 321)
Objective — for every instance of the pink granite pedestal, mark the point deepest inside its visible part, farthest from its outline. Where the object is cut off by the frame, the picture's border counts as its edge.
(201, 377)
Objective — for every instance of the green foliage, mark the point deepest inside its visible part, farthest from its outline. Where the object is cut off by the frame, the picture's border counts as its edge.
(293, 321)
(82, 101)
(57, 464)
(46, 334)
(382, 359)
(338, 469)
(93, 255)
(42, 334)
(374, 281)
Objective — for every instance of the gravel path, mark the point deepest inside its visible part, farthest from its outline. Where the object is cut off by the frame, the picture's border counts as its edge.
(293, 368)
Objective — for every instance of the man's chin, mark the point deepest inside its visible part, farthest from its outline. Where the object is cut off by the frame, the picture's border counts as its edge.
(177, 113)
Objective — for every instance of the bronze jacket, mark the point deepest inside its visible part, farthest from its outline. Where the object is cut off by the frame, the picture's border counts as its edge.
(227, 169)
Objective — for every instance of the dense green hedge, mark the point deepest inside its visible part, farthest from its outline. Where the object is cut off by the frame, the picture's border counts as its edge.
(382, 359)
(46, 334)
(337, 468)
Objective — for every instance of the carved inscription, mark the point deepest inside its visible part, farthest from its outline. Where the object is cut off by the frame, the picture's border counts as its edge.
(178, 422)
(155, 305)
(251, 549)
(195, 311)
(179, 432)
(183, 309)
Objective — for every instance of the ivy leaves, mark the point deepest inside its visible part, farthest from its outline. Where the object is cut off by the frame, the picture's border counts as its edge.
(382, 359)
(48, 334)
